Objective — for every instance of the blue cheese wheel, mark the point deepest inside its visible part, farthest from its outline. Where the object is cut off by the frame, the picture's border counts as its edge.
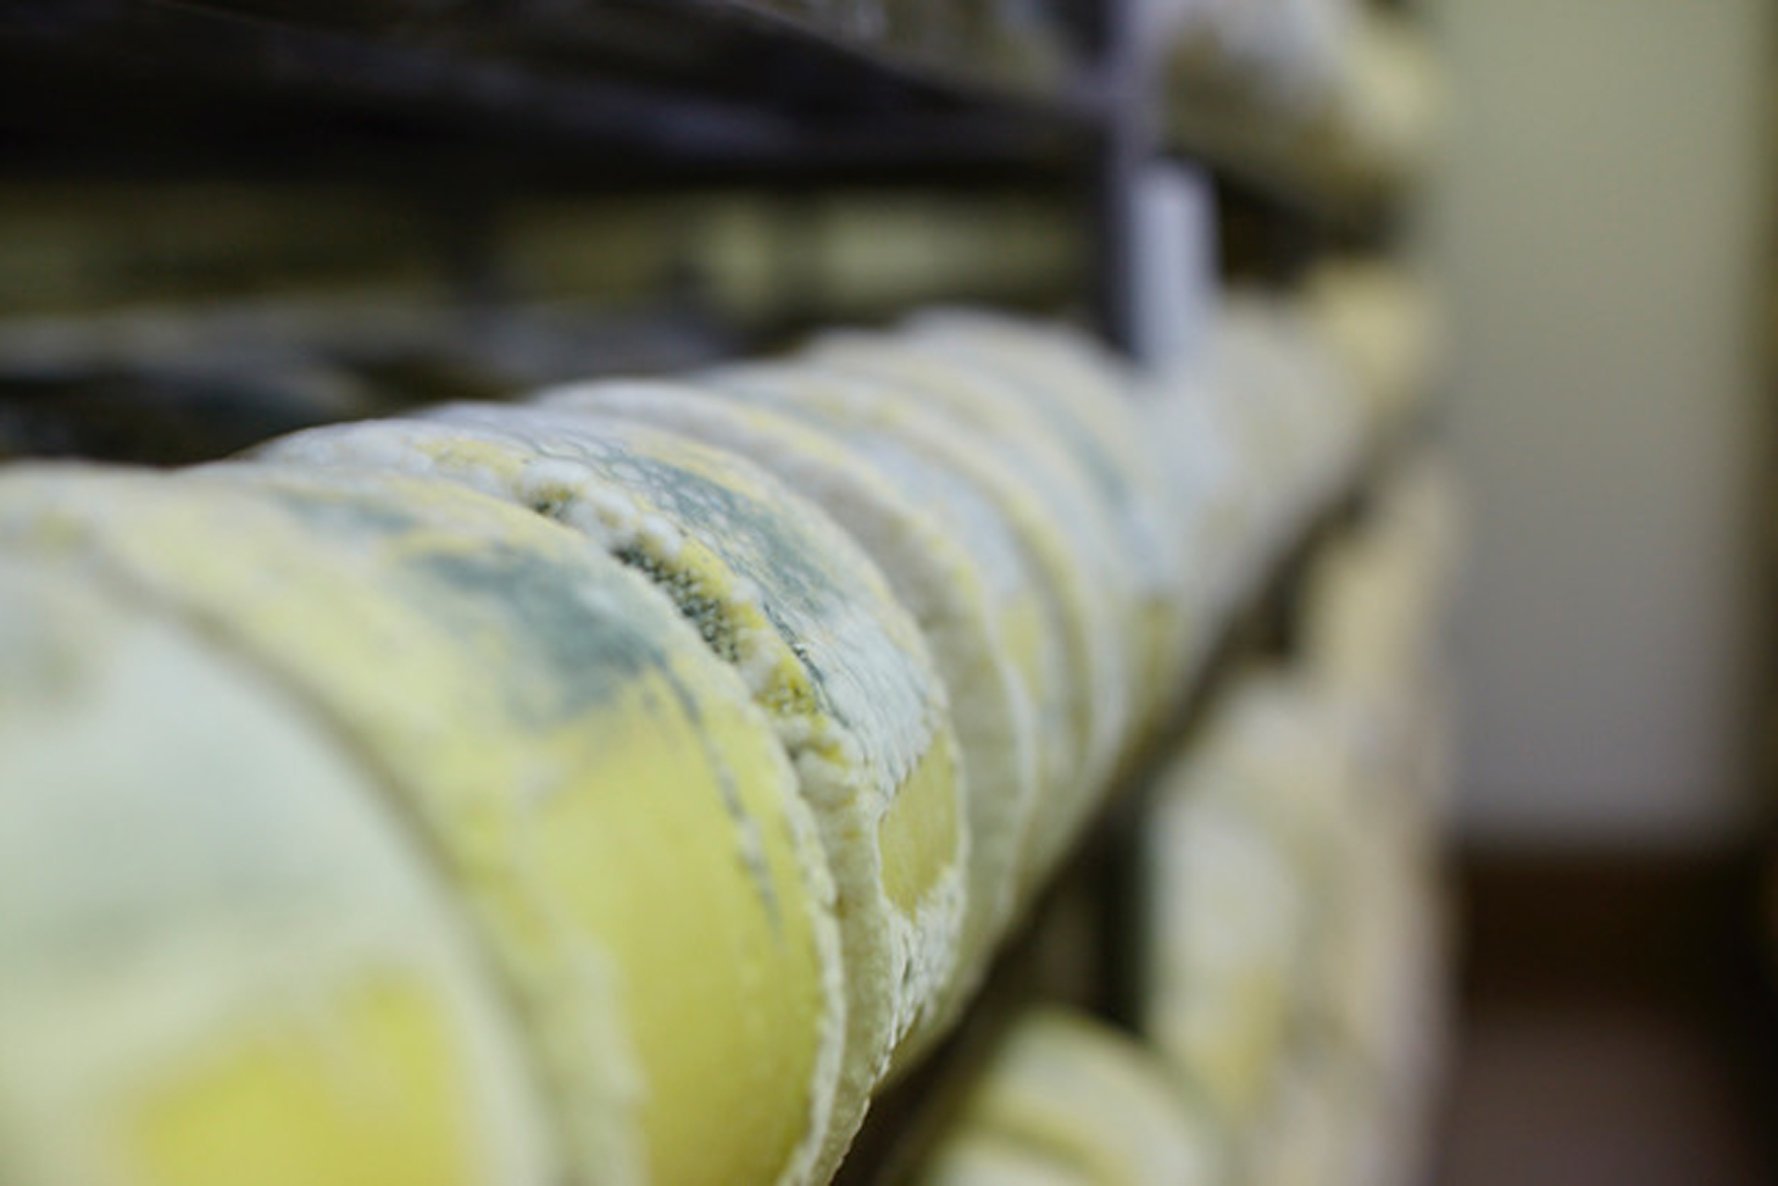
(222, 958)
(602, 794)
(793, 604)
(1091, 405)
(1001, 417)
(926, 448)
(980, 632)
(1228, 918)
(1091, 1098)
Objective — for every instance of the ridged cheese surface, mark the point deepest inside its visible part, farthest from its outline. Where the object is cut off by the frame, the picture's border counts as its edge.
(221, 960)
(802, 614)
(553, 729)
(998, 417)
(979, 632)
(1091, 408)
(929, 455)
(1090, 1098)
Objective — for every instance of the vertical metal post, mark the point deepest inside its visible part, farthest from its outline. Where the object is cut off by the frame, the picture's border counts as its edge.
(1125, 144)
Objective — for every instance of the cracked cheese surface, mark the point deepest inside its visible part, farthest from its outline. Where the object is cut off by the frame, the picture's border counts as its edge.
(1076, 616)
(789, 600)
(978, 630)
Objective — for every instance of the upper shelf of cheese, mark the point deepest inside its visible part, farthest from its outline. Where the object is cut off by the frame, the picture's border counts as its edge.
(1319, 100)
(715, 85)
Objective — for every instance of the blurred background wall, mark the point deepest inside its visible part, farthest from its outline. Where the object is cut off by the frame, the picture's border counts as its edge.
(1601, 226)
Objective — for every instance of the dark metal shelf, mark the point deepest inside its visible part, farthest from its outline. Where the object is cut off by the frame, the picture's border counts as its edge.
(581, 91)
(1098, 894)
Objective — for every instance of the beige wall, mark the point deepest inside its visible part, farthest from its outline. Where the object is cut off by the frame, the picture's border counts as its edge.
(1601, 230)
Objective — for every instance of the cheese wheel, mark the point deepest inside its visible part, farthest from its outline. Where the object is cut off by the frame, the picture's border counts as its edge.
(894, 430)
(1316, 1130)
(803, 615)
(603, 794)
(1093, 1099)
(1196, 455)
(1000, 418)
(1227, 917)
(974, 1158)
(1093, 407)
(221, 958)
(980, 635)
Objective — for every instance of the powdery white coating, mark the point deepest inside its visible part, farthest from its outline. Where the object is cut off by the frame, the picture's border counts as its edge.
(937, 578)
(192, 869)
(996, 417)
(1092, 405)
(1095, 1099)
(947, 493)
(1075, 606)
(878, 708)
(480, 659)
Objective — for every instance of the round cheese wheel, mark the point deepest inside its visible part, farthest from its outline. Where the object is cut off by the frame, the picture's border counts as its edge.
(602, 794)
(805, 618)
(895, 430)
(1093, 407)
(1002, 417)
(1227, 917)
(1093, 1099)
(979, 632)
(222, 958)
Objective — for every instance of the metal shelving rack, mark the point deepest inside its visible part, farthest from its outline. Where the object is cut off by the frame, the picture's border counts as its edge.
(468, 100)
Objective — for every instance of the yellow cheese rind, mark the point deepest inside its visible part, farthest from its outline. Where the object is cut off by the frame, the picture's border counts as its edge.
(224, 961)
(1091, 406)
(553, 729)
(972, 627)
(1075, 611)
(803, 616)
(1091, 1098)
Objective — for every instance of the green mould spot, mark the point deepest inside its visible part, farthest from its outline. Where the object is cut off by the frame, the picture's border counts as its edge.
(579, 633)
(704, 612)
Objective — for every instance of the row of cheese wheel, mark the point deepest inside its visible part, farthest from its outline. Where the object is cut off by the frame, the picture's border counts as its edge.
(614, 788)
(1296, 941)
(1292, 1025)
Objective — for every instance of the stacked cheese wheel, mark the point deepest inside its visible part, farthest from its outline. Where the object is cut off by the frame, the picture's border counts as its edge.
(616, 788)
(1066, 1100)
(1296, 946)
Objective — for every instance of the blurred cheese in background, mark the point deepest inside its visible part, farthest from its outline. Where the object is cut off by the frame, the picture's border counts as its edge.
(978, 622)
(1091, 1103)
